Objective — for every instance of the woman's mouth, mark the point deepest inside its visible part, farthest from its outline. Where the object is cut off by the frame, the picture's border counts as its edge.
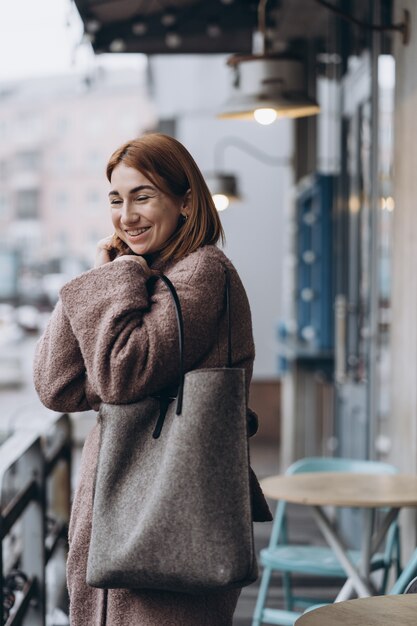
(135, 234)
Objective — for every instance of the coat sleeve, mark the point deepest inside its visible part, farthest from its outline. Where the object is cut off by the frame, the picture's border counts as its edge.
(129, 339)
(58, 369)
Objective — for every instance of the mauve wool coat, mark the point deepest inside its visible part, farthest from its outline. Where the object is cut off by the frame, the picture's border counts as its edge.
(113, 338)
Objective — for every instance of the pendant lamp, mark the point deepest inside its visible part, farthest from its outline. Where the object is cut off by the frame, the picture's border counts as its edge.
(267, 87)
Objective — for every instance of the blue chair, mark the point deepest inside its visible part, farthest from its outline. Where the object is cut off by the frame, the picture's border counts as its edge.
(405, 583)
(282, 556)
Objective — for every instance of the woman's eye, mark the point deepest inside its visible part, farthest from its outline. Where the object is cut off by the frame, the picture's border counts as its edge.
(113, 202)
(140, 198)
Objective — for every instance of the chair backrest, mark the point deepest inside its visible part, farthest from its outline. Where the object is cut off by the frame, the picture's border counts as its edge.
(324, 464)
(407, 577)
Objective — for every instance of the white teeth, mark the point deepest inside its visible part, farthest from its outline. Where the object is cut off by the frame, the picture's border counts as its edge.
(139, 231)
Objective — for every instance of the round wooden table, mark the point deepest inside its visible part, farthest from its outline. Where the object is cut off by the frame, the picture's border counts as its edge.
(374, 611)
(344, 489)
(347, 489)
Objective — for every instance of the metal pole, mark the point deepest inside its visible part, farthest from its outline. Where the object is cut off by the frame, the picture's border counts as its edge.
(368, 525)
(374, 228)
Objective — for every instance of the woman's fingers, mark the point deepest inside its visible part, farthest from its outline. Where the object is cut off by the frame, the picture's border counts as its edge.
(107, 243)
(112, 248)
(119, 245)
(103, 249)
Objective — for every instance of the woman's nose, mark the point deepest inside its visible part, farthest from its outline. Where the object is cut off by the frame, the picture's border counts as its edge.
(128, 214)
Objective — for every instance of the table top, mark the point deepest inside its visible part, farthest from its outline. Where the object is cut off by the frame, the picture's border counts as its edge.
(373, 611)
(343, 489)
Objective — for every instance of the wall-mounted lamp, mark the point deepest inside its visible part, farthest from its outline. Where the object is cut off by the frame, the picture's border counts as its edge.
(268, 87)
(224, 186)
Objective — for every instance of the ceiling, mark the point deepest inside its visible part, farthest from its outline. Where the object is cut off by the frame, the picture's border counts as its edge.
(195, 26)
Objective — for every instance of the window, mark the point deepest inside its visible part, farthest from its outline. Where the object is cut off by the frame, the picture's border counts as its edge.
(27, 204)
(62, 200)
(167, 126)
(28, 161)
(62, 239)
(62, 125)
(4, 129)
(4, 205)
(3, 170)
(61, 162)
(28, 123)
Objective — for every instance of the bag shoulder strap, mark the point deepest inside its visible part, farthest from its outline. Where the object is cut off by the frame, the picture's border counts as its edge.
(229, 321)
(180, 324)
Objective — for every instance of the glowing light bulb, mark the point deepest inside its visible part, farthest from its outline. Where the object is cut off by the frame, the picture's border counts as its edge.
(265, 116)
(390, 204)
(117, 45)
(139, 28)
(221, 202)
(92, 26)
(173, 39)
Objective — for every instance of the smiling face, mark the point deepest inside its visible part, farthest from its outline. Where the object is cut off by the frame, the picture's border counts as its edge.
(143, 216)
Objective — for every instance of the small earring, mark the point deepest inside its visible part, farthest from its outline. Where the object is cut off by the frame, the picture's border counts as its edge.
(184, 216)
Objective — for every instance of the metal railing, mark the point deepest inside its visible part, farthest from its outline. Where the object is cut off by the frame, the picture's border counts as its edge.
(35, 476)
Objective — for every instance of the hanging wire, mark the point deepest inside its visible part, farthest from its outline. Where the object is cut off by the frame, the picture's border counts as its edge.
(259, 36)
(262, 17)
(403, 27)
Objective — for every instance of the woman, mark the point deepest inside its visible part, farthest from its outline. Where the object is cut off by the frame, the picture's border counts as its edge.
(112, 338)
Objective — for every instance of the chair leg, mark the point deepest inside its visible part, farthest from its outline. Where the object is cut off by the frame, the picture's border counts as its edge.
(398, 551)
(383, 586)
(262, 595)
(392, 556)
(286, 581)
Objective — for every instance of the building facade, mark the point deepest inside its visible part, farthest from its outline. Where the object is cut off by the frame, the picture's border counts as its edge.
(56, 135)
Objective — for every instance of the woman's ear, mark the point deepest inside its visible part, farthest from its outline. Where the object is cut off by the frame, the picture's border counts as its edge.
(185, 209)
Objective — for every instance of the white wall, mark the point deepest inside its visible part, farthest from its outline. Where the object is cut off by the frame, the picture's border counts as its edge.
(192, 89)
(403, 422)
(404, 300)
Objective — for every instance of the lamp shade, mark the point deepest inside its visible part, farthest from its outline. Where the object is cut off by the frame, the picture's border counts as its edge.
(267, 87)
(223, 189)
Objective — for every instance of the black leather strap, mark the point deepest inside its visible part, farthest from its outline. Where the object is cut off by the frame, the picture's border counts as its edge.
(229, 321)
(180, 323)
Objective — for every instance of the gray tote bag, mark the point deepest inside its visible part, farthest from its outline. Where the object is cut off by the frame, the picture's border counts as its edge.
(172, 507)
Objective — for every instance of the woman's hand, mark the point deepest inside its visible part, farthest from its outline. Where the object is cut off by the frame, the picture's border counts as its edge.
(109, 248)
(128, 258)
(114, 249)
(103, 251)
